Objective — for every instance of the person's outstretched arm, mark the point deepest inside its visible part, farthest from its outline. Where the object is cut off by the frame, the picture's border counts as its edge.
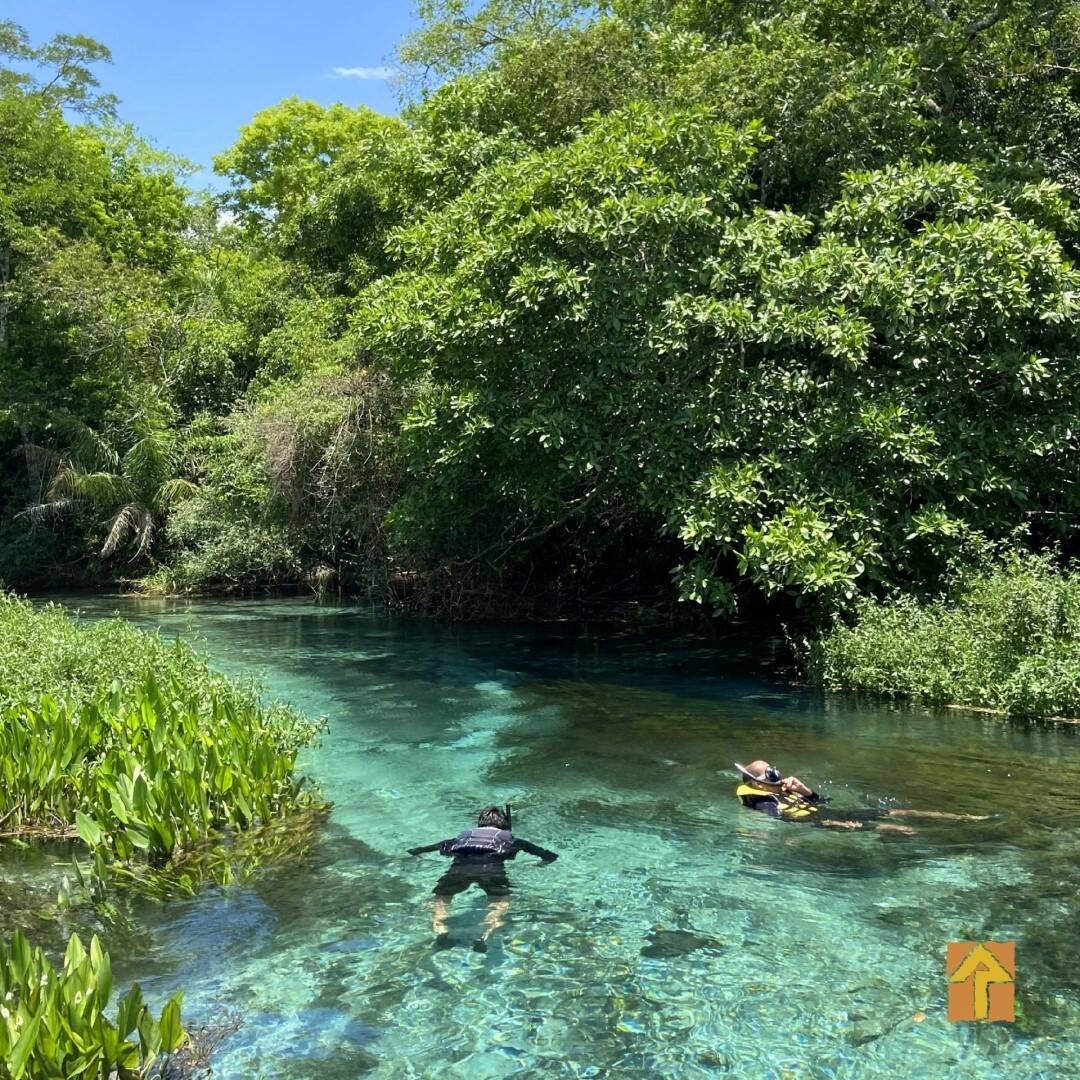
(427, 847)
(533, 849)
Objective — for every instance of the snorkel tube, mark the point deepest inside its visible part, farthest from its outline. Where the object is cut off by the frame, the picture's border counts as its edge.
(509, 820)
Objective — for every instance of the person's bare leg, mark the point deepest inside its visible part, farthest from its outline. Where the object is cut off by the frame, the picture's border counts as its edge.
(832, 823)
(939, 814)
(494, 917)
(886, 826)
(440, 912)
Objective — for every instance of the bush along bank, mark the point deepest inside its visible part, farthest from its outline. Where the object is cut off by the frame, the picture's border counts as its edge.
(1004, 638)
(135, 748)
(117, 745)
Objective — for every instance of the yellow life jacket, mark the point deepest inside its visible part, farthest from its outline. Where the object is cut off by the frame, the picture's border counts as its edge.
(792, 807)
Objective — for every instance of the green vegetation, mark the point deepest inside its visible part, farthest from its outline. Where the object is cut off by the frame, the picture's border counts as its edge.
(1007, 638)
(43, 650)
(53, 1024)
(119, 746)
(751, 306)
(137, 750)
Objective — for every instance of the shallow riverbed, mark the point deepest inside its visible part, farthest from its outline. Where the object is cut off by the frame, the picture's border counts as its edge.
(678, 935)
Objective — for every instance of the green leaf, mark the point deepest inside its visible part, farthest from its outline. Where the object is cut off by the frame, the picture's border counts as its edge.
(89, 831)
(172, 1034)
(149, 1033)
(21, 1051)
(127, 1015)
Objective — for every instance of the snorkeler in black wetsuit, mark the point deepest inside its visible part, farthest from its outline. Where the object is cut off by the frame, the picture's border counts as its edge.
(479, 856)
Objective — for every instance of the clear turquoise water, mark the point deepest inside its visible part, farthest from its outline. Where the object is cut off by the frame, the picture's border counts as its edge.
(678, 935)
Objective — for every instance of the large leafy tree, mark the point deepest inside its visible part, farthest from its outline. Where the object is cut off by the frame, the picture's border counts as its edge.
(92, 232)
(283, 157)
(610, 328)
(457, 36)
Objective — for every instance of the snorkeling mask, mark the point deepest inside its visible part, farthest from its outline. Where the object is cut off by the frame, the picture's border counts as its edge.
(771, 775)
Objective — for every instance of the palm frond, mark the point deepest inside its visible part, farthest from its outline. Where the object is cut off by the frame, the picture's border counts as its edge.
(46, 511)
(150, 461)
(144, 532)
(100, 488)
(126, 520)
(38, 458)
(175, 491)
(85, 446)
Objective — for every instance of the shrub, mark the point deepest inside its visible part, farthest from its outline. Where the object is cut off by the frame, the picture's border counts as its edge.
(299, 480)
(149, 771)
(141, 752)
(1007, 637)
(44, 650)
(53, 1024)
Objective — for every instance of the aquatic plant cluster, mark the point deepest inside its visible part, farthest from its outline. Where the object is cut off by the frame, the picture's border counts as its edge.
(142, 773)
(53, 1024)
(1006, 638)
(165, 773)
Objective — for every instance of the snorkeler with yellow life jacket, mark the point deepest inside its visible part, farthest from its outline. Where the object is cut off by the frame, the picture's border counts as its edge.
(763, 787)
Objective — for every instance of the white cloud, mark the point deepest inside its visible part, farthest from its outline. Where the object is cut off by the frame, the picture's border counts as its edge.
(378, 73)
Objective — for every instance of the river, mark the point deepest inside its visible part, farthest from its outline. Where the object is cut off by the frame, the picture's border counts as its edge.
(679, 934)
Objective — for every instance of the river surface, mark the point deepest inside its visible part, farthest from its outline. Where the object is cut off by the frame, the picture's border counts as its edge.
(679, 934)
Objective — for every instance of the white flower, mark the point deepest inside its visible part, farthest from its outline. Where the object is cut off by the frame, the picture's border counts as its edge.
(3, 1012)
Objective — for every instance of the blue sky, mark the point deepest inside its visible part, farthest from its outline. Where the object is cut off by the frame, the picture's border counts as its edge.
(189, 75)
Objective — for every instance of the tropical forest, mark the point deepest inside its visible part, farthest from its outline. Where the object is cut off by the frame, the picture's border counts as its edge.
(652, 403)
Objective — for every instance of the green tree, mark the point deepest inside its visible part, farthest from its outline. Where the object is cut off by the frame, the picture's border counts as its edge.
(611, 328)
(58, 74)
(456, 36)
(282, 158)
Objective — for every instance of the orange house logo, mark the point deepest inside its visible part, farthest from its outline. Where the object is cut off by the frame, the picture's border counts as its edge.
(981, 980)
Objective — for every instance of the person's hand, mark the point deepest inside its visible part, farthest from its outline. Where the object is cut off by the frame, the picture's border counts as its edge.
(415, 851)
(793, 783)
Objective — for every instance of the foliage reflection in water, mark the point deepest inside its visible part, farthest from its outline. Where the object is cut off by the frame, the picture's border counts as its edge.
(678, 935)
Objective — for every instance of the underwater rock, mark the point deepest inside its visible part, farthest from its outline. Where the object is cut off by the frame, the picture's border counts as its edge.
(668, 943)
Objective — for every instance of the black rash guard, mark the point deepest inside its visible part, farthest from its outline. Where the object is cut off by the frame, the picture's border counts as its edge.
(485, 869)
(443, 846)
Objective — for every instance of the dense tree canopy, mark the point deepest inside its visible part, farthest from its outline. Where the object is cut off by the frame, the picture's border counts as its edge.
(775, 300)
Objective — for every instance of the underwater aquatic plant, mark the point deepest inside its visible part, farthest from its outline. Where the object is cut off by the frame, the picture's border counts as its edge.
(53, 1023)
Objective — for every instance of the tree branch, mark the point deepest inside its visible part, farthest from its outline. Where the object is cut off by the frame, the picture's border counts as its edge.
(990, 19)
